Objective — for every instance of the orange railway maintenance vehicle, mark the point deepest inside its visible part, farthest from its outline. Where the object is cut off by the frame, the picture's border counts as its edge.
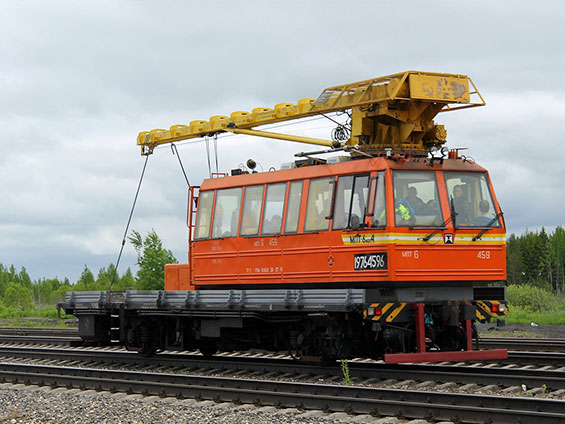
(382, 243)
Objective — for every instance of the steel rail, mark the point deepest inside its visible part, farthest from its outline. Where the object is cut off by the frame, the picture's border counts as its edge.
(556, 359)
(52, 336)
(545, 345)
(25, 331)
(51, 340)
(331, 398)
(550, 379)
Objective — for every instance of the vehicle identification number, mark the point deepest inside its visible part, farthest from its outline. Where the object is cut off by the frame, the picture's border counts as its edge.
(370, 261)
(483, 254)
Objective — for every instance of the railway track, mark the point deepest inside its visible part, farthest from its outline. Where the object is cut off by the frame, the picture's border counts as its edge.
(53, 336)
(538, 352)
(30, 332)
(408, 390)
(70, 335)
(362, 372)
(467, 408)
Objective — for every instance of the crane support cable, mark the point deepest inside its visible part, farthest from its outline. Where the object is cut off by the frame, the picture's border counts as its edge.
(216, 151)
(208, 155)
(127, 228)
(176, 152)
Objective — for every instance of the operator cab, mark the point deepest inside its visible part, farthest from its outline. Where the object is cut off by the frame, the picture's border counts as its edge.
(417, 200)
(317, 224)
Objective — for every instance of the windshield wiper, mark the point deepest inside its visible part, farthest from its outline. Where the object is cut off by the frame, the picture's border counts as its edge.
(443, 226)
(488, 226)
(453, 213)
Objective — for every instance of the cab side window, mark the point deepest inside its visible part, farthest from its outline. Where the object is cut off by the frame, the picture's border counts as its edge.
(379, 208)
(351, 202)
(252, 201)
(293, 208)
(226, 214)
(204, 217)
(319, 204)
(274, 206)
(342, 201)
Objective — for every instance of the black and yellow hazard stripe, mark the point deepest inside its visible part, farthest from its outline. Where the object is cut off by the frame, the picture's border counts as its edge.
(384, 312)
(484, 309)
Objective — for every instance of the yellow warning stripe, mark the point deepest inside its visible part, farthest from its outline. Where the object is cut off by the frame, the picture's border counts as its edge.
(417, 238)
(486, 308)
(395, 312)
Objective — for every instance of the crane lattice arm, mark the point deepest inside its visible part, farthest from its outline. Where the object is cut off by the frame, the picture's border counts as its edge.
(395, 111)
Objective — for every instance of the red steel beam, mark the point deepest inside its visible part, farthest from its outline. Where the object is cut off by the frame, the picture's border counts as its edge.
(420, 327)
(462, 355)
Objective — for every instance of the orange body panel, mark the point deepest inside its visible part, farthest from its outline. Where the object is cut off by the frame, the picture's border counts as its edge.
(177, 277)
(328, 257)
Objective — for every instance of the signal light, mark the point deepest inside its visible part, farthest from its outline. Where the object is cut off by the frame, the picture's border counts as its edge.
(495, 307)
(374, 311)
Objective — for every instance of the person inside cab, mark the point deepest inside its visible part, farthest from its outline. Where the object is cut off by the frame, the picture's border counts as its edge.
(483, 220)
(414, 201)
(404, 211)
(460, 205)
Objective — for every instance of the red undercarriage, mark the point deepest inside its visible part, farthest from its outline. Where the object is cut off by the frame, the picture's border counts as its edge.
(422, 356)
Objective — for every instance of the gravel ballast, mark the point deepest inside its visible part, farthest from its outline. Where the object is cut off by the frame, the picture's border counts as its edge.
(34, 405)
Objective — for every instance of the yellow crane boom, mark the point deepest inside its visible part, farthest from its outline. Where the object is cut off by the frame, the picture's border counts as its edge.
(394, 111)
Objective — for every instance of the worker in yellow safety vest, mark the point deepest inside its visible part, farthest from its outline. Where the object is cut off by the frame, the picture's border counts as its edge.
(407, 213)
(403, 211)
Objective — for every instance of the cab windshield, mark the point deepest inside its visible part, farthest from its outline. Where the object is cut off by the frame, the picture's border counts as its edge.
(416, 199)
(471, 200)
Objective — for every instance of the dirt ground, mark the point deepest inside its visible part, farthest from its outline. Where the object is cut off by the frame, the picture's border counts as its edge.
(522, 331)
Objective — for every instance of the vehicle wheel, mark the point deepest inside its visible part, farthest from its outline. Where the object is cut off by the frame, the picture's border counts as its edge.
(207, 349)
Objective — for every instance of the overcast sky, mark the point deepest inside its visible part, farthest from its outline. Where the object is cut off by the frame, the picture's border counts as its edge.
(79, 80)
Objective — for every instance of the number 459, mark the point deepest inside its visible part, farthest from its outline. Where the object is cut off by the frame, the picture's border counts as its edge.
(483, 254)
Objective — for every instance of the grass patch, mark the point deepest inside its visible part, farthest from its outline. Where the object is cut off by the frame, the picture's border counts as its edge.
(38, 317)
(38, 312)
(534, 299)
(520, 334)
(517, 315)
(34, 323)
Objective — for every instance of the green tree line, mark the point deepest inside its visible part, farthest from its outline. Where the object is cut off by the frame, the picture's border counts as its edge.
(536, 268)
(19, 293)
(537, 259)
